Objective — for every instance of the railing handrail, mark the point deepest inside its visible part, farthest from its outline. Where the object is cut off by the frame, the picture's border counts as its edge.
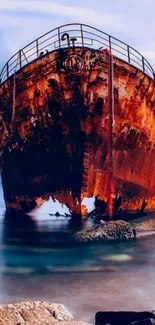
(128, 51)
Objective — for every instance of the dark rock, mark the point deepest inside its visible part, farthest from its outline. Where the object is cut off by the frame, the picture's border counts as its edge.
(105, 231)
(124, 318)
(148, 321)
(134, 232)
(57, 214)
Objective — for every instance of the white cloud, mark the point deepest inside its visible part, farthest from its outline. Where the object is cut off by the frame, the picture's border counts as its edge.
(17, 31)
(21, 21)
(73, 12)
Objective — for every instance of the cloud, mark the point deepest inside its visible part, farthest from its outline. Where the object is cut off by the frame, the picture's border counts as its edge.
(23, 21)
(18, 31)
(73, 12)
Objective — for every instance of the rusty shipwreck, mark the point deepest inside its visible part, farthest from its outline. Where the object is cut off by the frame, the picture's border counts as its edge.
(54, 122)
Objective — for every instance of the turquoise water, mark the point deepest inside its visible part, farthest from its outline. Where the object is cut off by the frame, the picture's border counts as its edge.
(37, 262)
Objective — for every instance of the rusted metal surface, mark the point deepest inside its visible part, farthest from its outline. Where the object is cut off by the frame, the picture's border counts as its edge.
(57, 143)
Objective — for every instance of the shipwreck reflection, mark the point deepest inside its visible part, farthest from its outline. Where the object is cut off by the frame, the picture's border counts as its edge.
(23, 229)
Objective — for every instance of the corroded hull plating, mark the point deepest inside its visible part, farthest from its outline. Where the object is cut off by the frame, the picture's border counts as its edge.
(57, 143)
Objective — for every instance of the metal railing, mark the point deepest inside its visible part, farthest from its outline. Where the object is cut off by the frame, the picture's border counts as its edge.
(75, 35)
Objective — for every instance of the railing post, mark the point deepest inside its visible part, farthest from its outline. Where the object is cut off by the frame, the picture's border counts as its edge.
(7, 69)
(143, 64)
(82, 35)
(109, 42)
(20, 59)
(37, 48)
(128, 49)
(59, 37)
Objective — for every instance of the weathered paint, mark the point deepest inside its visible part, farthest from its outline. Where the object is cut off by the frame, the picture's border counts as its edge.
(57, 143)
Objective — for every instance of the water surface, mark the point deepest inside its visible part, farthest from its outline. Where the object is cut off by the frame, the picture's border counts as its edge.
(37, 262)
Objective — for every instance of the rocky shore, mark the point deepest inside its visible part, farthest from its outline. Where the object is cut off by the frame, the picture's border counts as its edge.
(105, 231)
(46, 313)
(143, 224)
(36, 313)
(119, 229)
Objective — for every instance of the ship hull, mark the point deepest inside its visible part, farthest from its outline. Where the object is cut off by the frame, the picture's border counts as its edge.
(57, 143)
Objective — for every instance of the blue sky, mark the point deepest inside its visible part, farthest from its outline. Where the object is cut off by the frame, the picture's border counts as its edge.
(21, 21)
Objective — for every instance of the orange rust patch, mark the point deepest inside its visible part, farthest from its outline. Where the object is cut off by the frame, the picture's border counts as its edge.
(66, 114)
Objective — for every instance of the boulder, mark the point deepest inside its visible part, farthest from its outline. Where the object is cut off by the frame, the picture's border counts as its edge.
(124, 318)
(105, 231)
(36, 313)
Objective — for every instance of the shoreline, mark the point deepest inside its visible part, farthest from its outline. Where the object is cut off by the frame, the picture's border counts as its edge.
(144, 226)
(118, 229)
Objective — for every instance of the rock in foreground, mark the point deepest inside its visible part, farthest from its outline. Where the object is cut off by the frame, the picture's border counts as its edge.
(105, 231)
(36, 313)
